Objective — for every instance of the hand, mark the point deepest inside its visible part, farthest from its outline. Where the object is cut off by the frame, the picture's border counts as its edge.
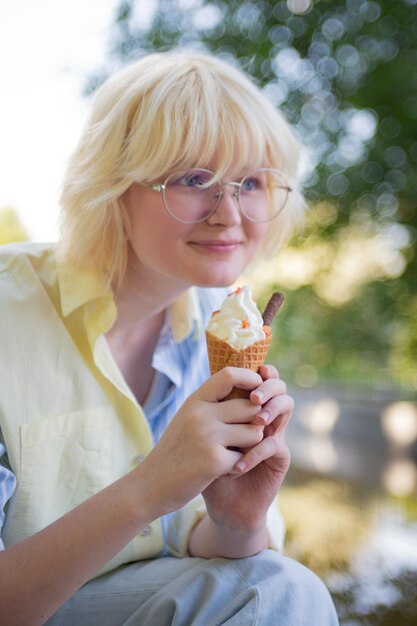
(240, 500)
(204, 440)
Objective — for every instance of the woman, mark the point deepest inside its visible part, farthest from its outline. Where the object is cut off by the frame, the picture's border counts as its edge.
(111, 426)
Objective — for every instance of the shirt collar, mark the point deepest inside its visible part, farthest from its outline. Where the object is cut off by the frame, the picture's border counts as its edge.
(185, 315)
(78, 287)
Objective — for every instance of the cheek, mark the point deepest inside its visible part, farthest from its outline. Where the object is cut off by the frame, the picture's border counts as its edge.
(256, 233)
(155, 237)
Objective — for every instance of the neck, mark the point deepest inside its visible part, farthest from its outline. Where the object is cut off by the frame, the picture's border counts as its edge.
(142, 298)
(141, 303)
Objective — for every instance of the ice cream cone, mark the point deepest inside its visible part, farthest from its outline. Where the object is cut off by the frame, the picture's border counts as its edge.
(221, 355)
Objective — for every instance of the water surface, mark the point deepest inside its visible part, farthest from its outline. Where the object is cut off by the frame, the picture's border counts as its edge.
(350, 502)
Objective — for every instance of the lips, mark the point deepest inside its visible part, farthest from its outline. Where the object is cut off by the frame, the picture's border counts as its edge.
(217, 245)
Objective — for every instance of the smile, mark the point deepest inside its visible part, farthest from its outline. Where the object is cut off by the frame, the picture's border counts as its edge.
(217, 245)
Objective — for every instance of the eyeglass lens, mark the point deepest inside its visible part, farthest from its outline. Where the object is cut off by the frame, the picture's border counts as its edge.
(192, 196)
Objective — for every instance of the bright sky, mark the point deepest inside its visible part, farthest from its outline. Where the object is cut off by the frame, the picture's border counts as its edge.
(46, 49)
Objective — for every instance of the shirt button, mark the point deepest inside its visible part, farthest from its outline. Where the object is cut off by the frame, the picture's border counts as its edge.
(146, 531)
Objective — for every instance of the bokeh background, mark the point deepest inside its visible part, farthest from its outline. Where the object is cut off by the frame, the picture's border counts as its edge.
(344, 74)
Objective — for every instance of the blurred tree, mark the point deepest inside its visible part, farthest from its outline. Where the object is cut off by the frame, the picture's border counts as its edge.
(11, 228)
(343, 73)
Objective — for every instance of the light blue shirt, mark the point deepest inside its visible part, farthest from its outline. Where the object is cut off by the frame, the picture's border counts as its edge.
(7, 486)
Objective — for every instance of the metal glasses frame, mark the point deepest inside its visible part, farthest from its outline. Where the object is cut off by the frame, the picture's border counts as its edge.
(161, 187)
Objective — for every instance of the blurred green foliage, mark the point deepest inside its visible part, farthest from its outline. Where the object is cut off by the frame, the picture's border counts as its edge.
(343, 72)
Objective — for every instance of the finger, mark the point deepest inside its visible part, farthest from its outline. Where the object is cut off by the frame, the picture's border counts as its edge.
(271, 448)
(221, 384)
(268, 371)
(279, 409)
(237, 411)
(243, 435)
(267, 389)
(232, 458)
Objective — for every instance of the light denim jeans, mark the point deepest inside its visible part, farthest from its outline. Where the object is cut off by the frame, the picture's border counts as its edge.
(264, 590)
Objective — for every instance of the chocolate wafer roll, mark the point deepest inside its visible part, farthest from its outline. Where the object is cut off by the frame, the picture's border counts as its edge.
(272, 307)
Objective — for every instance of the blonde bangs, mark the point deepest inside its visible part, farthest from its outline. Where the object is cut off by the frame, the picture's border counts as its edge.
(196, 123)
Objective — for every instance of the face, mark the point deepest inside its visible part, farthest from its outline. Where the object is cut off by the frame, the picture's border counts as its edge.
(212, 253)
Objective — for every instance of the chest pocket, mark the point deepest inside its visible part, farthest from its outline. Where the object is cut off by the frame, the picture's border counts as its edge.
(64, 460)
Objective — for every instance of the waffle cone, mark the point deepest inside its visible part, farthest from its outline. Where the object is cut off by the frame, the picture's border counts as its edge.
(221, 355)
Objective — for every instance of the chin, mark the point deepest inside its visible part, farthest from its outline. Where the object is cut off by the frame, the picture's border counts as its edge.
(218, 274)
(224, 280)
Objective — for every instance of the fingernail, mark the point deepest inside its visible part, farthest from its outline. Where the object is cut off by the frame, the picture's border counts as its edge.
(264, 415)
(259, 394)
(241, 466)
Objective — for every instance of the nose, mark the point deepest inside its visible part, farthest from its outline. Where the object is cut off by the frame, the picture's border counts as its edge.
(227, 212)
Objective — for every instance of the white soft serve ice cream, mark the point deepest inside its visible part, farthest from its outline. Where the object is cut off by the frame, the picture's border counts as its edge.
(239, 321)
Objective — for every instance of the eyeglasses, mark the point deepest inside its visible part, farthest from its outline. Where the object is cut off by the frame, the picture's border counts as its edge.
(193, 196)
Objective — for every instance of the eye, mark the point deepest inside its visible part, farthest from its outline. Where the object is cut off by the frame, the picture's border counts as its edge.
(195, 178)
(252, 183)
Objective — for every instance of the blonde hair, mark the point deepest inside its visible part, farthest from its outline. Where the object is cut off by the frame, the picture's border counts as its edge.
(164, 112)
